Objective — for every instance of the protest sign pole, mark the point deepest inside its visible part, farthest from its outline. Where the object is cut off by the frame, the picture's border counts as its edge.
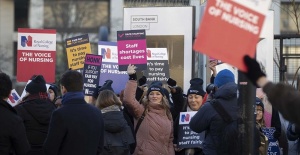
(246, 100)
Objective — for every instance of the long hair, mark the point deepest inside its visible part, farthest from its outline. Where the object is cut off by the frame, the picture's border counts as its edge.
(107, 98)
(165, 104)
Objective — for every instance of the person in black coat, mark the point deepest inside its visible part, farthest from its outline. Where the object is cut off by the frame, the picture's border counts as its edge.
(13, 138)
(77, 127)
(35, 110)
(195, 95)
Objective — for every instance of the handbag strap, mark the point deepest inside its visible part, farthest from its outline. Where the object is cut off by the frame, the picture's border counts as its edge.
(221, 111)
(140, 121)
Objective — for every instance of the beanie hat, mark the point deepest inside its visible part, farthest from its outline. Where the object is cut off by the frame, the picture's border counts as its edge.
(96, 92)
(196, 82)
(54, 88)
(258, 102)
(223, 77)
(37, 84)
(107, 86)
(155, 87)
(157, 83)
(196, 90)
(196, 87)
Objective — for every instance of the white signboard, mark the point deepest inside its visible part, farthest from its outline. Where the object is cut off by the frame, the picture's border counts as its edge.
(168, 23)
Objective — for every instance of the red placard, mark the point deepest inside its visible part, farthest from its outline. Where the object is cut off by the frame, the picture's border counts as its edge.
(229, 31)
(36, 54)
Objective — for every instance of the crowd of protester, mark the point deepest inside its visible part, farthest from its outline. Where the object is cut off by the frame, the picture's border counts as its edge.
(141, 120)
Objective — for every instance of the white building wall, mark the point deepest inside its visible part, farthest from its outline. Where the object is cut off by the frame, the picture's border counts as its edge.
(6, 36)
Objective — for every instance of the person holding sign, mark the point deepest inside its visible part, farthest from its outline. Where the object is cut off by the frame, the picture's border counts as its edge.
(195, 95)
(283, 97)
(153, 119)
(12, 134)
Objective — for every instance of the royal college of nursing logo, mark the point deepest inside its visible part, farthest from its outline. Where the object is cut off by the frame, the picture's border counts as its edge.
(148, 53)
(185, 118)
(26, 41)
(13, 98)
(106, 53)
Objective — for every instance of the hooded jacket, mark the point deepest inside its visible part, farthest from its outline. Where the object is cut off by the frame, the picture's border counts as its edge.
(12, 134)
(117, 133)
(36, 113)
(155, 134)
(207, 119)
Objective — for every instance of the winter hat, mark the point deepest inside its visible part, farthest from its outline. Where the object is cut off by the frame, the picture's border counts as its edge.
(96, 92)
(223, 77)
(155, 87)
(196, 89)
(107, 86)
(196, 82)
(37, 84)
(258, 102)
(157, 83)
(54, 88)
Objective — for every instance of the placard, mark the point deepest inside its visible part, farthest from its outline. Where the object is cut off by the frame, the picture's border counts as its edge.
(157, 65)
(36, 54)
(91, 73)
(77, 47)
(110, 67)
(230, 30)
(13, 98)
(186, 137)
(132, 49)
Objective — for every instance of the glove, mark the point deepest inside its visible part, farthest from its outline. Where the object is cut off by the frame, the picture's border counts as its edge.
(108, 82)
(142, 81)
(131, 69)
(131, 72)
(254, 71)
(171, 82)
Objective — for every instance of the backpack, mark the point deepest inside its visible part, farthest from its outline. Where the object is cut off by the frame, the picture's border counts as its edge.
(229, 144)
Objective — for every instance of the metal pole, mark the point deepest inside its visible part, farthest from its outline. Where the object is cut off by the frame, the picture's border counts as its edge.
(246, 100)
(281, 63)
